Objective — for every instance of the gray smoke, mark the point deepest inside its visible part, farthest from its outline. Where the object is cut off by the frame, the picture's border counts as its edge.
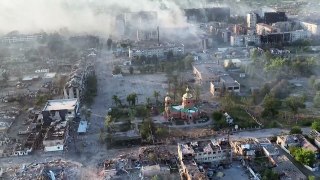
(81, 16)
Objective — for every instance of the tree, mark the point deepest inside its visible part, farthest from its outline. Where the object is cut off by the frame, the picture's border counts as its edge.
(108, 120)
(116, 100)
(197, 93)
(311, 178)
(267, 56)
(217, 115)
(269, 174)
(116, 70)
(316, 125)
(294, 104)
(109, 43)
(156, 177)
(131, 70)
(304, 156)
(270, 105)
(316, 99)
(295, 130)
(188, 60)
(56, 44)
(156, 95)
(170, 55)
(91, 89)
(228, 101)
(146, 130)
(162, 132)
(312, 80)
(254, 55)
(148, 101)
(131, 99)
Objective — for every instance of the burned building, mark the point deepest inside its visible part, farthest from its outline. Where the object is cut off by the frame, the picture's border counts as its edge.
(207, 14)
(60, 109)
(275, 38)
(56, 136)
(254, 18)
(76, 83)
(141, 24)
(273, 17)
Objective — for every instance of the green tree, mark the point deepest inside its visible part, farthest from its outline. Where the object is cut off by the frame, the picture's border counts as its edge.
(254, 55)
(316, 99)
(270, 105)
(162, 132)
(108, 120)
(109, 43)
(217, 115)
(156, 95)
(116, 100)
(131, 70)
(116, 70)
(146, 130)
(268, 174)
(294, 104)
(131, 99)
(316, 125)
(91, 89)
(268, 56)
(197, 93)
(228, 101)
(312, 80)
(188, 60)
(304, 156)
(156, 177)
(311, 178)
(295, 130)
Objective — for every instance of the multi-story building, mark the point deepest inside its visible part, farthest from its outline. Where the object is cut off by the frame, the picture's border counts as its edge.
(60, 109)
(273, 17)
(207, 14)
(237, 40)
(15, 38)
(263, 29)
(76, 84)
(216, 152)
(246, 147)
(209, 72)
(312, 27)
(252, 19)
(160, 50)
(288, 141)
(252, 39)
(300, 34)
(226, 84)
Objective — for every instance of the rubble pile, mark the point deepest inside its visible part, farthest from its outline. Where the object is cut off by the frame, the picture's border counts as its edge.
(57, 169)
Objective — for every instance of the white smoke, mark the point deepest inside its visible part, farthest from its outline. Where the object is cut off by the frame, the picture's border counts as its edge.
(80, 16)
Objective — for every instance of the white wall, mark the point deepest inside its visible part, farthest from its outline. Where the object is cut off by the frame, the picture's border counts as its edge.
(53, 148)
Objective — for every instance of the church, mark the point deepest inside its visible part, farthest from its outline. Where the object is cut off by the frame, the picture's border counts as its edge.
(185, 111)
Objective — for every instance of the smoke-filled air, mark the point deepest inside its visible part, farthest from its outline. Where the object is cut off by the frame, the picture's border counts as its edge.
(81, 16)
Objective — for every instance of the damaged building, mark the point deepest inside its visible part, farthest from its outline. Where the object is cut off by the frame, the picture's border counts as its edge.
(207, 14)
(56, 116)
(215, 152)
(76, 83)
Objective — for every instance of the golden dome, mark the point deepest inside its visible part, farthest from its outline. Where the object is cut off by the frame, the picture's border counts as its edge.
(187, 95)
